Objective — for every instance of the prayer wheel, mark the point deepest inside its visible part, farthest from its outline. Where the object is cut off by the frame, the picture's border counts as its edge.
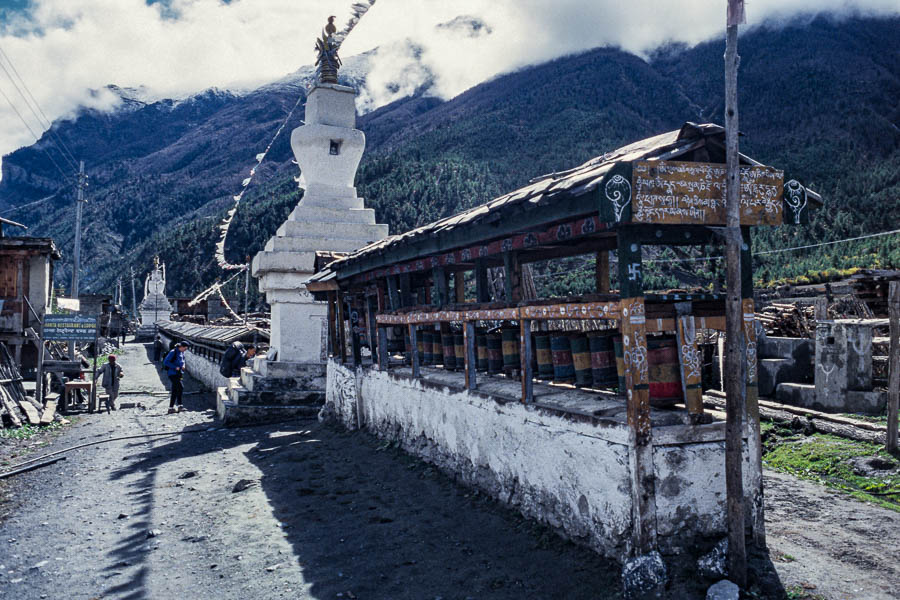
(449, 347)
(495, 352)
(427, 338)
(481, 352)
(437, 348)
(510, 343)
(581, 360)
(603, 359)
(563, 368)
(459, 348)
(665, 372)
(544, 355)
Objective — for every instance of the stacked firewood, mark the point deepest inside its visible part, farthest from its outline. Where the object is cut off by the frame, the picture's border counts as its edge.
(17, 408)
(787, 320)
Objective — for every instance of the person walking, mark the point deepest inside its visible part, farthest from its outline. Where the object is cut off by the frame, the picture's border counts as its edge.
(235, 359)
(157, 349)
(109, 375)
(174, 364)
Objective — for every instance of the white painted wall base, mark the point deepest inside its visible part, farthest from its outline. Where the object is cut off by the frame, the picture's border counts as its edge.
(571, 471)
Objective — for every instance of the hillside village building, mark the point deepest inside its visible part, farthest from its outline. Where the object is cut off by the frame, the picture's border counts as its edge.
(596, 428)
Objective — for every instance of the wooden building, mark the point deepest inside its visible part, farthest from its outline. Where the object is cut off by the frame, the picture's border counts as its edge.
(668, 190)
(26, 276)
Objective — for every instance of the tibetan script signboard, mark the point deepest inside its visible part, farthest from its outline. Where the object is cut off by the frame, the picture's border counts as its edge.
(674, 193)
(70, 328)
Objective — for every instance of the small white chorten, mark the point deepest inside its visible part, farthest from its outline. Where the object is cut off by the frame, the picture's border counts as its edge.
(155, 306)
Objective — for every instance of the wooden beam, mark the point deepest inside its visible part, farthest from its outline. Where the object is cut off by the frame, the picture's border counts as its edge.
(893, 365)
(332, 328)
(372, 326)
(601, 272)
(512, 277)
(405, 290)
(393, 292)
(382, 349)
(754, 439)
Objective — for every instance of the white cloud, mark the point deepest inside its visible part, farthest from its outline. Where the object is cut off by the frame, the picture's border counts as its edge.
(63, 48)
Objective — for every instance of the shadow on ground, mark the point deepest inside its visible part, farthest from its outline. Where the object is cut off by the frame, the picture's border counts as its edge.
(366, 520)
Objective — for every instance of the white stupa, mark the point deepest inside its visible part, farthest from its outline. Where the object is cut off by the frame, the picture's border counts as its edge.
(330, 217)
(155, 306)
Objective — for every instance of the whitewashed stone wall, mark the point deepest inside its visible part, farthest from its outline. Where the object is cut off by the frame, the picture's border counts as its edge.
(202, 369)
(571, 474)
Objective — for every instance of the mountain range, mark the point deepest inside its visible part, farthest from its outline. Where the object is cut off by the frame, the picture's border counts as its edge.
(817, 98)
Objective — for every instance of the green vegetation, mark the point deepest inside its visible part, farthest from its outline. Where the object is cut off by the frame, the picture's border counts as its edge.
(27, 431)
(863, 470)
(798, 592)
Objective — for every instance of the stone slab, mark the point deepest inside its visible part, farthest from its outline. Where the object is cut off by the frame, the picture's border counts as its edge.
(853, 401)
(234, 415)
(773, 371)
(313, 244)
(331, 230)
(307, 214)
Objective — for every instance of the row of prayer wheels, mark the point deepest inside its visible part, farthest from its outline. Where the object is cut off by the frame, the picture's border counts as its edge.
(586, 359)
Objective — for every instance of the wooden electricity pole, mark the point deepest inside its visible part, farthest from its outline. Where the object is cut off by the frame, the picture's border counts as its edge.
(735, 380)
(893, 365)
(76, 267)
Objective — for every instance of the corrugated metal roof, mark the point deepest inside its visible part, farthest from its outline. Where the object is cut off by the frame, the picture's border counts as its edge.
(545, 189)
(224, 334)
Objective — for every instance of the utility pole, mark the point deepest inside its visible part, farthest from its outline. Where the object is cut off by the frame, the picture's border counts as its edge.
(735, 378)
(133, 299)
(246, 289)
(76, 267)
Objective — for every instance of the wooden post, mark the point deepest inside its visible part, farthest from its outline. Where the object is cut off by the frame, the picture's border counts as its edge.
(601, 272)
(93, 405)
(512, 277)
(382, 349)
(39, 382)
(341, 329)
(372, 327)
(482, 288)
(469, 333)
(440, 286)
(414, 342)
(821, 313)
(525, 351)
(332, 328)
(690, 361)
(405, 290)
(734, 340)
(637, 384)
(459, 283)
(893, 365)
(393, 292)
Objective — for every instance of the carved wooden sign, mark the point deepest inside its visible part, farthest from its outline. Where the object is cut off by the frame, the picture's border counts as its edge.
(673, 192)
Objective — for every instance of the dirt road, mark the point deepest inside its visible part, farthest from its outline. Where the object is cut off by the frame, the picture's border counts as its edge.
(309, 511)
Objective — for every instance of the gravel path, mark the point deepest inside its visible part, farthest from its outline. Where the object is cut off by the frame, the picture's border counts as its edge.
(306, 510)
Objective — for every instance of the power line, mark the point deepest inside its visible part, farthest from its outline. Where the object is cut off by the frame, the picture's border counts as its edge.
(12, 210)
(64, 150)
(36, 136)
(35, 108)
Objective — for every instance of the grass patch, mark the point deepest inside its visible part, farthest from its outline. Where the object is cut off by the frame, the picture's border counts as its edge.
(798, 592)
(28, 431)
(104, 358)
(877, 419)
(862, 469)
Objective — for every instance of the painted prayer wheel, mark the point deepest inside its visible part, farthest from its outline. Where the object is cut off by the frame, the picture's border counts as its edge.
(449, 349)
(665, 372)
(427, 338)
(481, 352)
(437, 348)
(620, 362)
(544, 356)
(561, 347)
(459, 348)
(510, 342)
(603, 359)
(581, 360)
(495, 352)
